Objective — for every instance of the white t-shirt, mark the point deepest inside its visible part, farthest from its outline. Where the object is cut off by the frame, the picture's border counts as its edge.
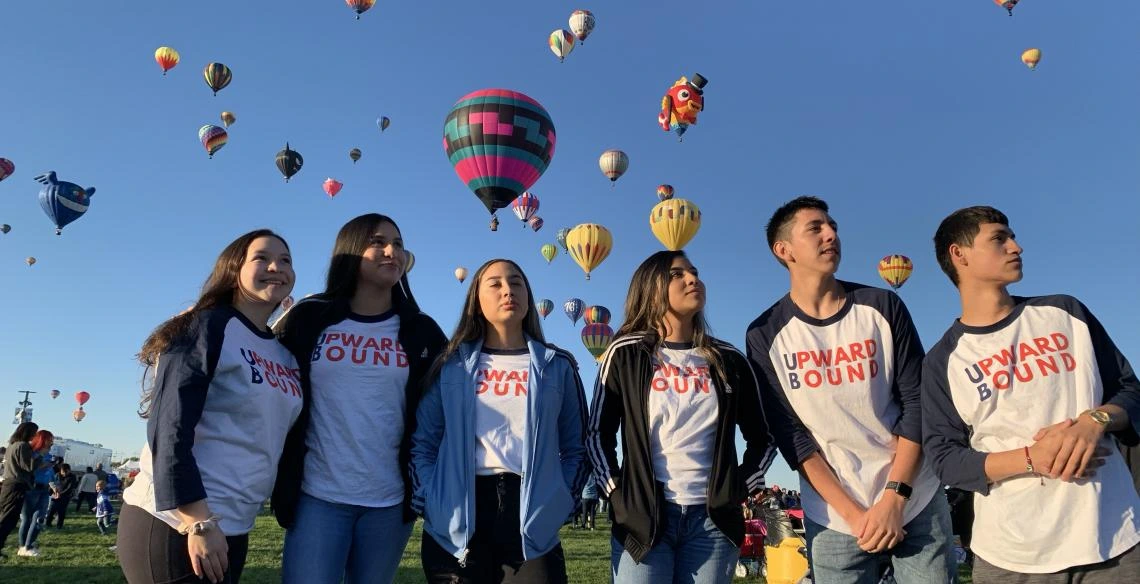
(501, 384)
(359, 373)
(682, 423)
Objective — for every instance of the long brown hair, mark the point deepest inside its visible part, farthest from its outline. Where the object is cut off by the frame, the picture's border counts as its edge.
(220, 289)
(352, 241)
(473, 325)
(24, 432)
(647, 303)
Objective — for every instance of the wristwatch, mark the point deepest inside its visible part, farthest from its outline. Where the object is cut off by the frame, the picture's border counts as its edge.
(1099, 416)
(901, 488)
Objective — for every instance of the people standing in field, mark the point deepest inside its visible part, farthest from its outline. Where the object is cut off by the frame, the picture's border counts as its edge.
(498, 462)
(221, 394)
(1023, 399)
(843, 366)
(19, 476)
(364, 346)
(678, 395)
(38, 496)
(86, 497)
(65, 486)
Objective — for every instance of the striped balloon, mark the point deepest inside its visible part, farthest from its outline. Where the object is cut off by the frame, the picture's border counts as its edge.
(561, 43)
(536, 222)
(217, 76)
(500, 142)
(613, 163)
(895, 270)
(664, 192)
(545, 306)
(597, 337)
(582, 23)
(212, 138)
(596, 314)
(360, 6)
(525, 206)
(7, 167)
(589, 245)
(675, 222)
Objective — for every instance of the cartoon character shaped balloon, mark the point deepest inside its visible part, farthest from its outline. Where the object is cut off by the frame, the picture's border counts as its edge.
(573, 309)
(332, 187)
(360, 6)
(62, 201)
(289, 162)
(589, 245)
(166, 58)
(548, 252)
(524, 207)
(596, 337)
(545, 306)
(217, 76)
(681, 105)
(212, 138)
(596, 314)
(675, 222)
(561, 44)
(582, 24)
(7, 167)
(895, 269)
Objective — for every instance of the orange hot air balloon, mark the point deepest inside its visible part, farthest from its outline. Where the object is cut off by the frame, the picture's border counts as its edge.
(166, 58)
(1031, 57)
(78, 414)
(895, 269)
(82, 397)
(1007, 4)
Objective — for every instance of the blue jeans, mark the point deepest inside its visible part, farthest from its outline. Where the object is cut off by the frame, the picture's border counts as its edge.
(331, 540)
(33, 515)
(691, 551)
(923, 557)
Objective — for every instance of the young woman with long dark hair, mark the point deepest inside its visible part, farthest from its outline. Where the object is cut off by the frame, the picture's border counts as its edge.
(220, 395)
(19, 473)
(38, 497)
(498, 461)
(679, 395)
(363, 345)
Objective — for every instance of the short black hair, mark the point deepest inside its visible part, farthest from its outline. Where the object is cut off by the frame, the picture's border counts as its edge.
(780, 221)
(961, 227)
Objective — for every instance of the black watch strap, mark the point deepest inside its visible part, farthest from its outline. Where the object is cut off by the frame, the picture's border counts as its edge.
(901, 488)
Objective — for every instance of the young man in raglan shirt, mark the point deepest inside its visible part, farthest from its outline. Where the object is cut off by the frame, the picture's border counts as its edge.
(842, 363)
(1021, 398)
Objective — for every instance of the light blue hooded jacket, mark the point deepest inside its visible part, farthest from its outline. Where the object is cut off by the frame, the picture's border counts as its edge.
(554, 466)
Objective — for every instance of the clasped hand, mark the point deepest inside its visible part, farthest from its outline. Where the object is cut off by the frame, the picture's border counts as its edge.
(1069, 450)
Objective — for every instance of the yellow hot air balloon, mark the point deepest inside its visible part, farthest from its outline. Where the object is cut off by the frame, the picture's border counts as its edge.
(674, 222)
(461, 274)
(411, 261)
(228, 118)
(549, 251)
(166, 58)
(895, 269)
(589, 244)
(1031, 57)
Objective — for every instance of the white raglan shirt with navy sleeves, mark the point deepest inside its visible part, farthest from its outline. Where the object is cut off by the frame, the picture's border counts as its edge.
(990, 389)
(844, 387)
(358, 382)
(224, 399)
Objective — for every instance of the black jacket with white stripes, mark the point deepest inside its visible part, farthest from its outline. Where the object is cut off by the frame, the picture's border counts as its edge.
(621, 397)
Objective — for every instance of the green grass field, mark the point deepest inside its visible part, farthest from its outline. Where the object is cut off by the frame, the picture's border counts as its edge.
(79, 555)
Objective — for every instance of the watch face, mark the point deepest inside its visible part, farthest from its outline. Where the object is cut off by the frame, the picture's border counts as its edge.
(1100, 416)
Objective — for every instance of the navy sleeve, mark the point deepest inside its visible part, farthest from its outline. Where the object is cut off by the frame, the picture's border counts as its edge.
(182, 378)
(1121, 387)
(946, 437)
(791, 436)
(908, 371)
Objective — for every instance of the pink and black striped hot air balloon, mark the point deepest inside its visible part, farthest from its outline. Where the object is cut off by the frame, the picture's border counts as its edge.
(500, 142)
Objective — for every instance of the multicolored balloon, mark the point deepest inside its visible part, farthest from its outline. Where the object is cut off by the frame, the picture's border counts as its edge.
(589, 244)
(62, 201)
(1007, 4)
(411, 261)
(536, 223)
(383, 122)
(360, 6)
(166, 58)
(289, 162)
(212, 138)
(561, 44)
(218, 76)
(675, 222)
(548, 251)
(613, 163)
(895, 269)
(355, 154)
(1031, 57)
(664, 192)
(461, 274)
(525, 206)
(54, 393)
(596, 314)
(560, 237)
(573, 309)
(681, 105)
(545, 306)
(332, 187)
(582, 24)
(596, 337)
(500, 142)
(7, 167)
(228, 119)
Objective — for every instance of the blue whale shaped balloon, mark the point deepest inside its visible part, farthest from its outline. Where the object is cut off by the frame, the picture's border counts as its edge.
(63, 202)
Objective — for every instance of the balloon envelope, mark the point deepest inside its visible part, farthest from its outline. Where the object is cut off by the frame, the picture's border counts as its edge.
(54, 393)
(895, 269)
(332, 187)
(561, 43)
(573, 309)
(597, 337)
(82, 397)
(289, 162)
(525, 206)
(383, 122)
(560, 237)
(1031, 57)
(411, 261)
(78, 415)
(30, 260)
(613, 163)
(536, 222)
(355, 154)
(664, 192)
(548, 251)
(589, 244)
(582, 23)
(7, 167)
(166, 58)
(212, 138)
(461, 274)
(544, 306)
(595, 314)
(360, 6)
(675, 222)
(62, 201)
(228, 118)
(217, 76)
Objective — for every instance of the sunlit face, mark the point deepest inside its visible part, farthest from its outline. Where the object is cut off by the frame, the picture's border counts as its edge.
(995, 256)
(686, 290)
(502, 295)
(267, 274)
(812, 243)
(382, 263)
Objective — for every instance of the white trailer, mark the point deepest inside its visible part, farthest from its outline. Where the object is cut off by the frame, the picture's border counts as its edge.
(80, 455)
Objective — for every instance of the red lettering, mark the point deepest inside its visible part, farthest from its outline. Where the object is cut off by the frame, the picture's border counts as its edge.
(379, 358)
(1060, 340)
(359, 356)
(1002, 380)
(856, 371)
(1026, 350)
(872, 348)
(838, 377)
(985, 365)
(1069, 361)
(334, 353)
(813, 378)
(802, 358)
(371, 344)
(821, 357)
(353, 340)
(701, 385)
(494, 374)
(1005, 357)
(386, 344)
(874, 368)
(856, 351)
(501, 388)
(660, 384)
(1044, 364)
(481, 389)
(1023, 373)
(401, 360)
(1043, 344)
(841, 356)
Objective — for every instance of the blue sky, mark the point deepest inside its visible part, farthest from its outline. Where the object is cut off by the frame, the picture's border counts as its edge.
(896, 113)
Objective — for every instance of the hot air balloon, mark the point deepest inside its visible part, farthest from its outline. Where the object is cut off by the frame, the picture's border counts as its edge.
(681, 105)
(895, 269)
(218, 76)
(589, 244)
(613, 163)
(7, 167)
(536, 223)
(560, 237)
(524, 207)
(228, 119)
(63, 202)
(81, 397)
(383, 122)
(664, 192)
(1031, 57)
(1007, 4)
(289, 162)
(411, 261)
(212, 138)
(78, 414)
(674, 222)
(54, 393)
(596, 314)
(31, 261)
(287, 303)
(461, 274)
(166, 58)
(500, 142)
(544, 306)
(360, 6)
(581, 24)
(5, 228)
(548, 251)
(573, 309)
(332, 187)
(354, 154)
(561, 43)
(597, 337)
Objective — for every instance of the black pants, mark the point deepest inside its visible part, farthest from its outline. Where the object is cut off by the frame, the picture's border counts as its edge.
(11, 503)
(89, 497)
(495, 555)
(589, 512)
(57, 508)
(152, 552)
